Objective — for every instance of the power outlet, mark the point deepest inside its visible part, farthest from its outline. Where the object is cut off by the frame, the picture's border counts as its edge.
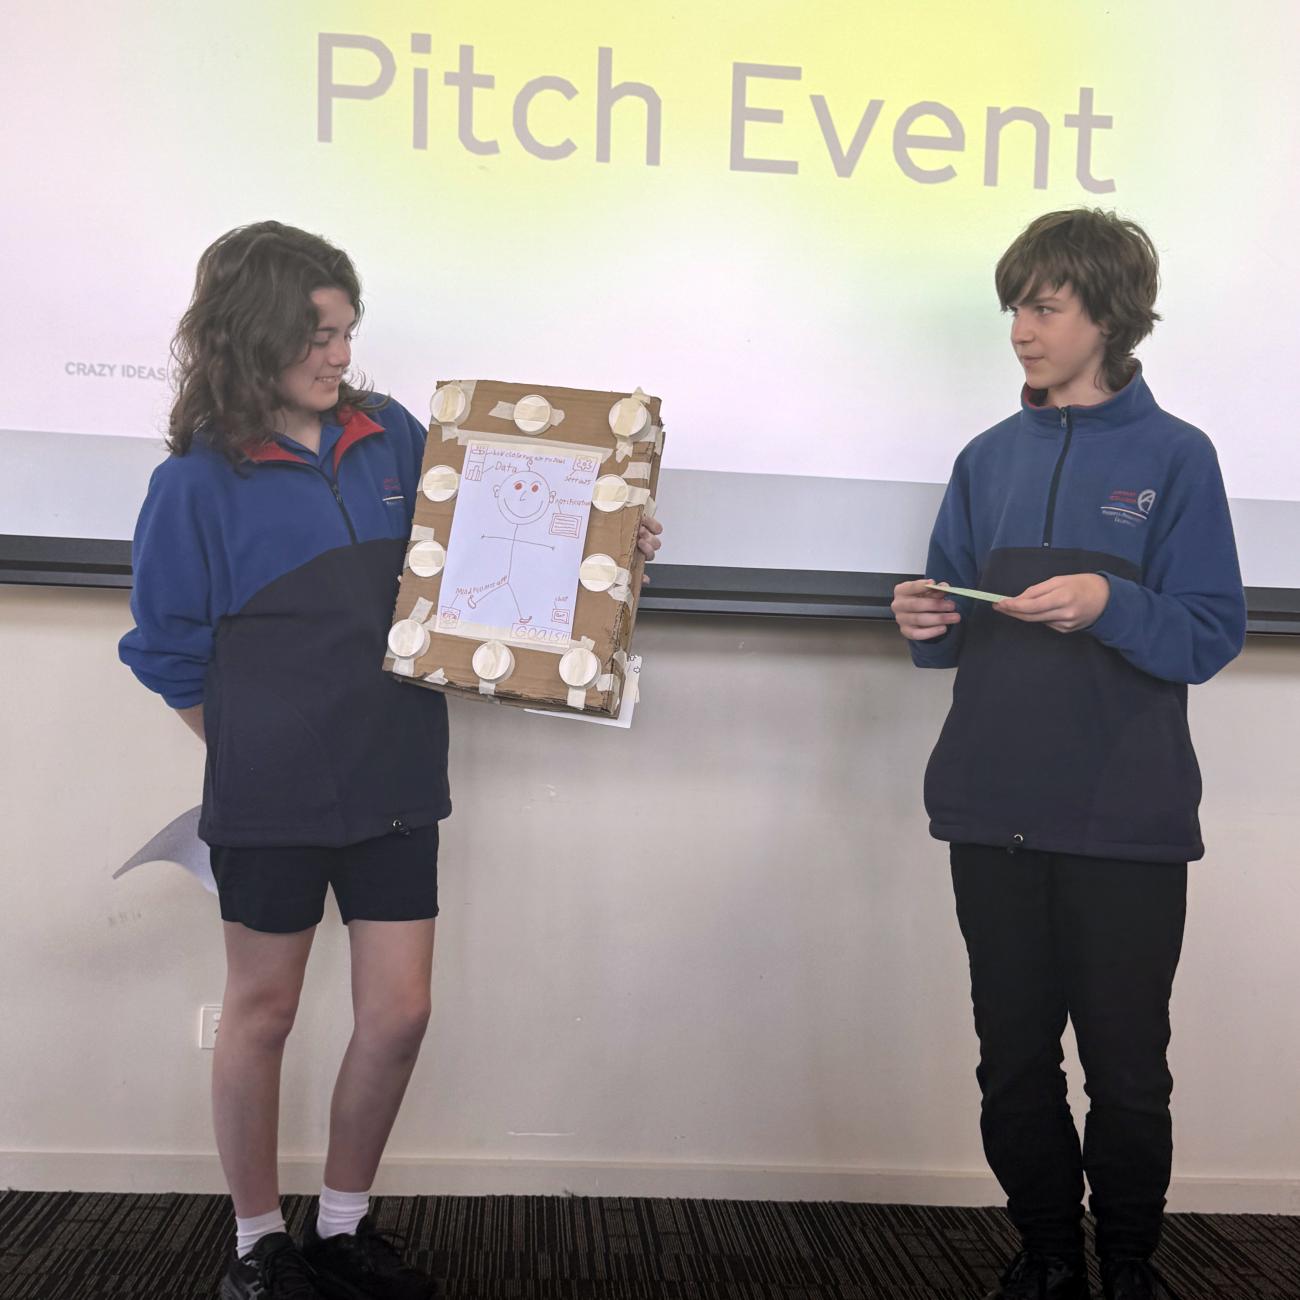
(209, 1023)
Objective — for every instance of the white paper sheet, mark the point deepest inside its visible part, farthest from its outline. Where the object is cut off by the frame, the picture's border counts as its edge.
(631, 693)
(177, 842)
(516, 545)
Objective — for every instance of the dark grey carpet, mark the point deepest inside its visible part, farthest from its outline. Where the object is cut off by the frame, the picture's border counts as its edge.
(81, 1246)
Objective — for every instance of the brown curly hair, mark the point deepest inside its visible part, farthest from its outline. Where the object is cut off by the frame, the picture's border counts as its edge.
(251, 316)
(1109, 262)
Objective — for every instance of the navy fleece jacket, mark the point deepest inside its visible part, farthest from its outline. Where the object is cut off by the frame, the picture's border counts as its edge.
(265, 591)
(1078, 742)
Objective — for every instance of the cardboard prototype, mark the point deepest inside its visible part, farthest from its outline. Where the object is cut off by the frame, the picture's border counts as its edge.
(612, 444)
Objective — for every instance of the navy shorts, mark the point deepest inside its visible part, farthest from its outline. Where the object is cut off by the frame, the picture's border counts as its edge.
(282, 890)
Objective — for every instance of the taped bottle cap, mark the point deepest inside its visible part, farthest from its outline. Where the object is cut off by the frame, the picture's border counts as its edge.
(448, 404)
(579, 668)
(408, 639)
(610, 493)
(426, 559)
(532, 413)
(440, 483)
(599, 572)
(493, 661)
(628, 416)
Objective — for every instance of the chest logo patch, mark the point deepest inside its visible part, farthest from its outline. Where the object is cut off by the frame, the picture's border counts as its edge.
(1130, 508)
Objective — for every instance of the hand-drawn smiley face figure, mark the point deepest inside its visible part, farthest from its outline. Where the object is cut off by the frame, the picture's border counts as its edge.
(524, 498)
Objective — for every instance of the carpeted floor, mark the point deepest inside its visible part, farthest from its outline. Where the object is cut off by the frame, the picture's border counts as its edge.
(83, 1246)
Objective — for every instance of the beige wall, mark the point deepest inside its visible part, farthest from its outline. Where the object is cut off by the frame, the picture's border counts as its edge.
(715, 955)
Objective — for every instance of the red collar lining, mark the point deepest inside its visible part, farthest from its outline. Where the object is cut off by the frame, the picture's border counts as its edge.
(356, 426)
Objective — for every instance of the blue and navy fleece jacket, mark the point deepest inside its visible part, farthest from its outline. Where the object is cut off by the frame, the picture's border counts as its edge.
(1078, 743)
(265, 592)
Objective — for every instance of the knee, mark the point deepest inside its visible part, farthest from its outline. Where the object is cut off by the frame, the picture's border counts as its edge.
(1143, 1086)
(1027, 1080)
(397, 1027)
(262, 1016)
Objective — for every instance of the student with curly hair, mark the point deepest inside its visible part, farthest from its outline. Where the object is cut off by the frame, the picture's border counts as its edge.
(266, 562)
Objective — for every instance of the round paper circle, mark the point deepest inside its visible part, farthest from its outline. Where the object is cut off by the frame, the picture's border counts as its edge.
(493, 661)
(426, 559)
(408, 639)
(579, 667)
(440, 483)
(448, 404)
(627, 417)
(532, 413)
(598, 573)
(610, 493)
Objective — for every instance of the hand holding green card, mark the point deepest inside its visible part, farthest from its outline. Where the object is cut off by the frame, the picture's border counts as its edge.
(966, 591)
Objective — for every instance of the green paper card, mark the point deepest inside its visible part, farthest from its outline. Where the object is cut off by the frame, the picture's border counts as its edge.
(966, 591)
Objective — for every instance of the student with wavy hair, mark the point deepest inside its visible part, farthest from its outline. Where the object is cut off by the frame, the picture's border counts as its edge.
(1064, 778)
(266, 559)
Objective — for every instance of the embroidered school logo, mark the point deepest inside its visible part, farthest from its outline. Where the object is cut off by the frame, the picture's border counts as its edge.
(1129, 508)
(392, 484)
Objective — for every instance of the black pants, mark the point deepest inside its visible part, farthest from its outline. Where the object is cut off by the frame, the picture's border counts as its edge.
(1051, 936)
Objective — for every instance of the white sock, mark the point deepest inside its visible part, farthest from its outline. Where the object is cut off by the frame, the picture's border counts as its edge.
(250, 1231)
(340, 1212)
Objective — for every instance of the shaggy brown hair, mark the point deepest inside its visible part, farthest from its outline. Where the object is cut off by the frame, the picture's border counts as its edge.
(1109, 262)
(251, 316)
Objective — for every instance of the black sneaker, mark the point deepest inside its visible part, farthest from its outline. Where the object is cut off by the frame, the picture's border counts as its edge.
(367, 1261)
(1131, 1279)
(1031, 1276)
(274, 1270)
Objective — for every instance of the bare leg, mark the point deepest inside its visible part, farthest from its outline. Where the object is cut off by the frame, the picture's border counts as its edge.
(392, 965)
(263, 980)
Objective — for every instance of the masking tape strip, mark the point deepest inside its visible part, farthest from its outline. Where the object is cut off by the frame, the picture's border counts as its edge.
(651, 433)
(605, 683)
(621, 591)
(635, 473)
(423, 533)
(637, 496)
(513, 441)
(486, 688)
(438, 677)
(424, 614)
(466, 387)
(577, 697)
(487, 632)
(629, 408)
(622, 449)
(506, 411)
(651, 508)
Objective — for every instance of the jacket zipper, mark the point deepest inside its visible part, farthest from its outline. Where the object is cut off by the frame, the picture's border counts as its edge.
(1067, 423)
(338, 497)
(333, 487)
